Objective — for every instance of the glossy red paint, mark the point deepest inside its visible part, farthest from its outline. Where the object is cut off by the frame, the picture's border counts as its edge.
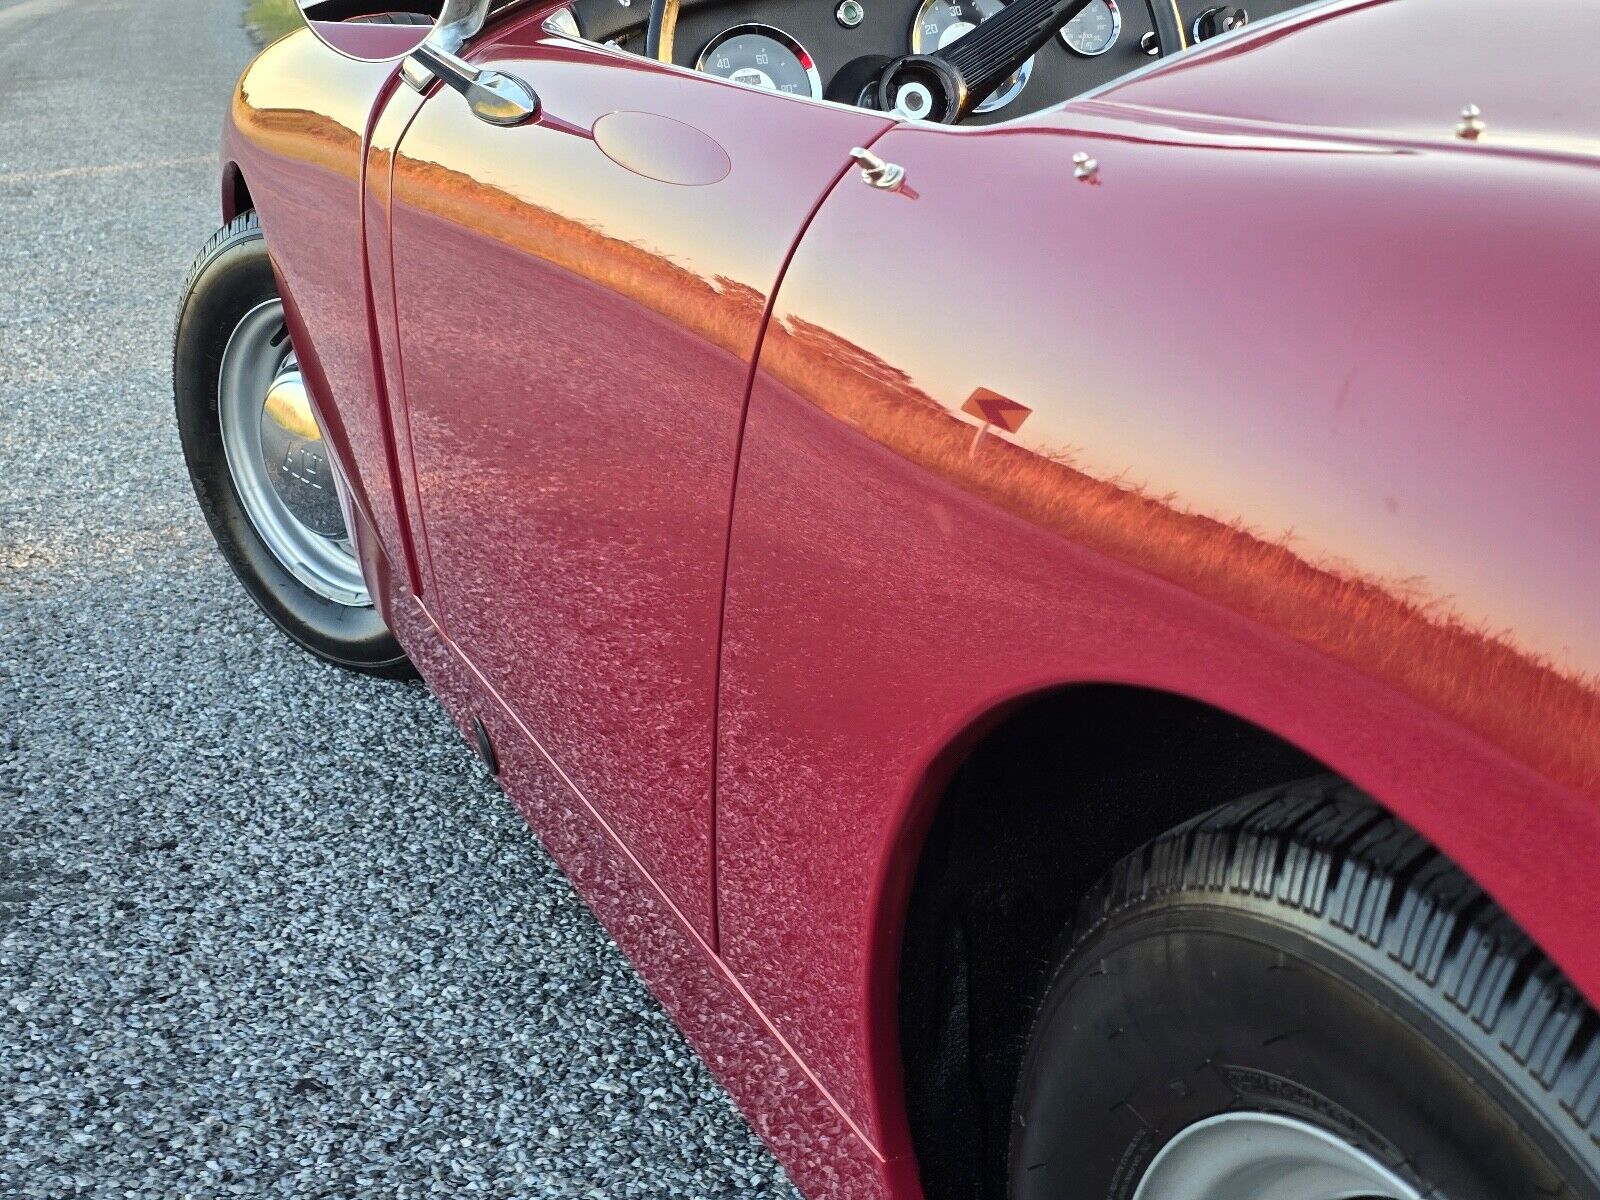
(1532, 76)
(817, 1146)
(575, 421)
(389, 383)
(1310, 433)
(294, 134)
(1272, 483)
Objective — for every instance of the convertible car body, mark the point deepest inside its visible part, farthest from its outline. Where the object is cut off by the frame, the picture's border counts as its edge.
(842, 577)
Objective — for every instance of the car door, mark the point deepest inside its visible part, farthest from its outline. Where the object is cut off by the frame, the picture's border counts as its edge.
(579, 300)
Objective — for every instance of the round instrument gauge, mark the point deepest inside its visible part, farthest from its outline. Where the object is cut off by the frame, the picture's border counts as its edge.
(762, 56)
(940, 22)
(1094, 30)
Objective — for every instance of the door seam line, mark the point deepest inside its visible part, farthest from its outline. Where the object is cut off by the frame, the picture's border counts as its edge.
(717, 962)
(727, 546)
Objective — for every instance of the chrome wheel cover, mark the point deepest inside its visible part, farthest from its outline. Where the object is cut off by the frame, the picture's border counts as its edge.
(1264, 1156)
(279, 462)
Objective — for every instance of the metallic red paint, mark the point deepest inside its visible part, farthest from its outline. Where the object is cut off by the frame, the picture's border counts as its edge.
(1273, 482)
(1311, 435)
(294, 134)
(575, 420)
(817, 1146)
(1529, 69)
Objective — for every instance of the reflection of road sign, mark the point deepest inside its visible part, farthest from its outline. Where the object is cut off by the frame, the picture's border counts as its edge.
(994, 409)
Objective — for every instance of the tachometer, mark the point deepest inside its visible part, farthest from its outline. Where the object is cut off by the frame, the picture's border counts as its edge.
(940, 22)
(762, 56)
(1094, 30)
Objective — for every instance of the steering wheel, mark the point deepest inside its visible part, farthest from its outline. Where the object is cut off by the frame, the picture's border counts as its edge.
(948, 84)
(663, 27)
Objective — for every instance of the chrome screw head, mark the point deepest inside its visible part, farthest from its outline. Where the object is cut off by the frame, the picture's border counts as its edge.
(1472, 124)
(1085, 168)
(850, 13)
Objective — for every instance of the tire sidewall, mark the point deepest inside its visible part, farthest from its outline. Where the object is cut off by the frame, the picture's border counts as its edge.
(230, 281)
(1274, 1017)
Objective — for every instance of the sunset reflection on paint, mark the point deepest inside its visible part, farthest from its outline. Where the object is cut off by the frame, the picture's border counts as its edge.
(1268, 464)
(1275, 460)
(575, 417)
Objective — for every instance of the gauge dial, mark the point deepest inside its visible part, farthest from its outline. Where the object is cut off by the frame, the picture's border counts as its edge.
(940, 22)
(1094, 30)
(762, 56)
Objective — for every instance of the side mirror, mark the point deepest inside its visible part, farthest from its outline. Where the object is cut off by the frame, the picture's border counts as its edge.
(372, 31)
(430, 46)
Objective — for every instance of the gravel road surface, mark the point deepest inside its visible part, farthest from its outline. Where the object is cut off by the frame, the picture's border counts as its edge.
(265, 928)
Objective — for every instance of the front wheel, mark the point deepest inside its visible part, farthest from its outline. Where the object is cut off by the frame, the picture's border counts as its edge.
(268, 487)
(1295, 998)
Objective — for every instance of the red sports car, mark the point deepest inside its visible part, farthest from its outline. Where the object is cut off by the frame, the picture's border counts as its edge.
(1036, 563)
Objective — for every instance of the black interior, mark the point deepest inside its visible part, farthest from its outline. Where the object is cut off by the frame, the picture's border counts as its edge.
(1058, 73)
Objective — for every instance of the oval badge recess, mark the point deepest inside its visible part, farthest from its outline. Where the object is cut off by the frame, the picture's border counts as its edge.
(662, 149)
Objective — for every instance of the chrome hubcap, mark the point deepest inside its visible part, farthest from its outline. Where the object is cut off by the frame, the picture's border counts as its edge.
(1264, 1156)
(280, 463)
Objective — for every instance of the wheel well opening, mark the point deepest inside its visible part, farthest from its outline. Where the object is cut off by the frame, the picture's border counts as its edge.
(235, 193)
(1043, 805)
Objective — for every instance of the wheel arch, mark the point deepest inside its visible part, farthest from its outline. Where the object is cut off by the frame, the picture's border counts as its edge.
(236, 197)
(298, 166)
(976, 865)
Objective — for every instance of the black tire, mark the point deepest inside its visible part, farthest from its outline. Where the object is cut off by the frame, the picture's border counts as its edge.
(230, 277)
(1301, 952)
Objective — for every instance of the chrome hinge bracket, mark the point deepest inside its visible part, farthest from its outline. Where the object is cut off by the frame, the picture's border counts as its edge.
(875, 172)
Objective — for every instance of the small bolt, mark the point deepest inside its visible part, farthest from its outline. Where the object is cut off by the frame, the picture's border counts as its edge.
(1150, 44)
(1472, 124)
(1085, 168)
(850, 13)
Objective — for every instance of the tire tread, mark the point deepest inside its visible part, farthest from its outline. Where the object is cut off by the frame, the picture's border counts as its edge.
(377, 652)
(1324, 849)
(245, 223)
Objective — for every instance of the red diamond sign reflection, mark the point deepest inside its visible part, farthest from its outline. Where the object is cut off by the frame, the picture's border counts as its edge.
(993, 409)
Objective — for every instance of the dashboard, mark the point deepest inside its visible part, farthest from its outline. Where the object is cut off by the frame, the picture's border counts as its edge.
(808, 47)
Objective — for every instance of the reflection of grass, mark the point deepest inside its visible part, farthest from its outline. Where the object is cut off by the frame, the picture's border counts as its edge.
(269, 20)
(1480, 677)
(1474, 674)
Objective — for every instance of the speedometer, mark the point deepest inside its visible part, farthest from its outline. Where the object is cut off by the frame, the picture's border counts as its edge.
(1094, 30)
(762, 56)
(940, 22)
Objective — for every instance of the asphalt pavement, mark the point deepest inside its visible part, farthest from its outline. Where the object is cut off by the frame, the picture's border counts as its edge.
(266, 929)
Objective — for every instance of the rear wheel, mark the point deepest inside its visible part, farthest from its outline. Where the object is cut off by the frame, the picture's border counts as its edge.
(270, 491)
(1295, 998)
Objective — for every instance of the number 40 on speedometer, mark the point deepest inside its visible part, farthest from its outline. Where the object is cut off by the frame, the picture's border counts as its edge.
(762, 56)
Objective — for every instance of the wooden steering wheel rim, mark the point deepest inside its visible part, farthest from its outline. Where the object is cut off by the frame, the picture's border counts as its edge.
(662, 29)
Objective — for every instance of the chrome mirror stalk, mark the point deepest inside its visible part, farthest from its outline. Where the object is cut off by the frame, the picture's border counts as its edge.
(459, 22)
(493, 96)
